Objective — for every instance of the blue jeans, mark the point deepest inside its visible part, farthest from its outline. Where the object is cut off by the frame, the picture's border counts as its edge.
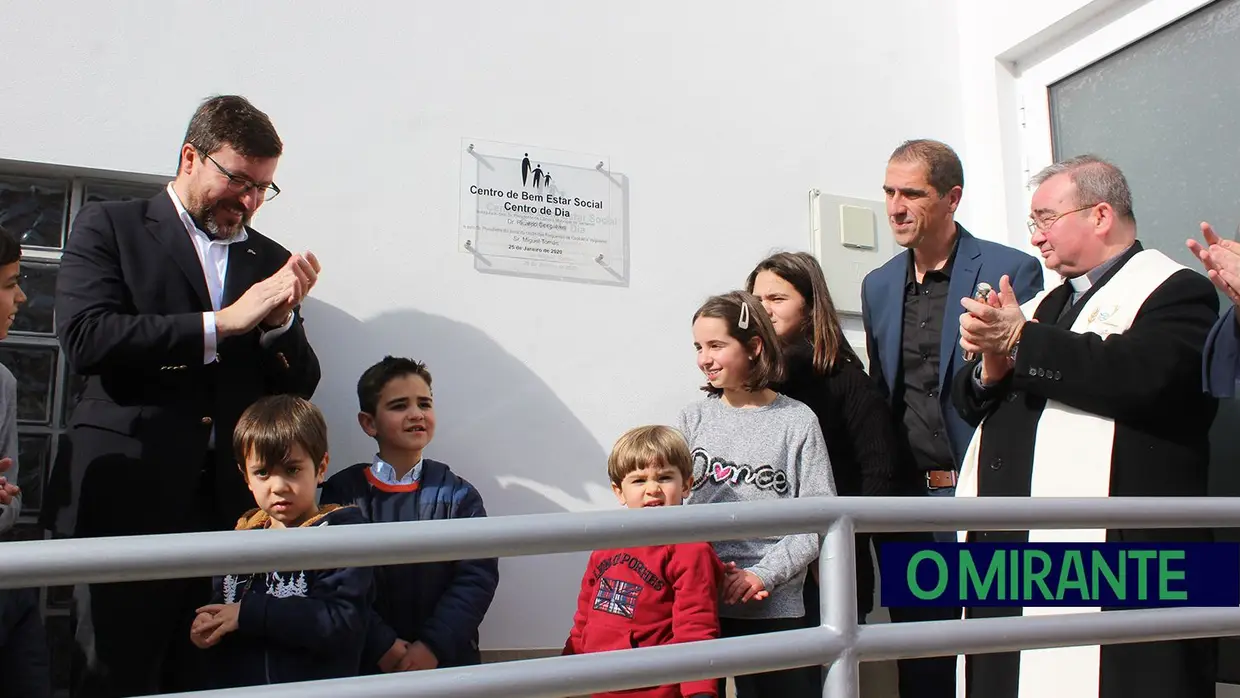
(943, 536)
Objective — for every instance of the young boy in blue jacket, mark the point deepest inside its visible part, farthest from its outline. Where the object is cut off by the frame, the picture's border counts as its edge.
(285, 626)
(427, 614)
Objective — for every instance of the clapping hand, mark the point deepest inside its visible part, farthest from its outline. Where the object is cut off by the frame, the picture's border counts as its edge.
(1221, 259)
(301, 271)
(271, 300)
(992, 328)
(987, 328)
(994, 366)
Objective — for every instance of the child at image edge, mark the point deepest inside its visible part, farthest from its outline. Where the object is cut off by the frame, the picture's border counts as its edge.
(287, 626)
(426, 615)
(25, 669)
(654, 595)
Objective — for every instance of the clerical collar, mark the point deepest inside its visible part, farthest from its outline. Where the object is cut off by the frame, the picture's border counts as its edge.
(1080, 284)
(1086, 281)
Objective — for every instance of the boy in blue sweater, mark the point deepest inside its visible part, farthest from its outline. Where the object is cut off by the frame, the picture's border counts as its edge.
(426, 615)
(285, 626)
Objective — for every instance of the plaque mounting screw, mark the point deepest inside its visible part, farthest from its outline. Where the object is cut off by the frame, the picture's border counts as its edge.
(599, 259)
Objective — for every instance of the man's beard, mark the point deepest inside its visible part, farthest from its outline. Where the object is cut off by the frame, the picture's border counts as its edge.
(204, 216)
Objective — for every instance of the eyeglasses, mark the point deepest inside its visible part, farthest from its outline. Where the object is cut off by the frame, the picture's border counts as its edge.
(1045, 224)
(240, 185)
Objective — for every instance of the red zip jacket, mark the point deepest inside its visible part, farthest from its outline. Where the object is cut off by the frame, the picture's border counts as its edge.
(647, 597)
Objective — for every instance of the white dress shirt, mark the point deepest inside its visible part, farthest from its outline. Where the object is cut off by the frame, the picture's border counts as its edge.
(386, 474)
(213, 255)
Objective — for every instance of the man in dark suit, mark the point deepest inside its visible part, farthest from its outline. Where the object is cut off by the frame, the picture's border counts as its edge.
(910, 307)
(1093, 389)
(180, 316)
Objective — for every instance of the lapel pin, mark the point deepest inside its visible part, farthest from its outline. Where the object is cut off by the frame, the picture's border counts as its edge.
(250, 250)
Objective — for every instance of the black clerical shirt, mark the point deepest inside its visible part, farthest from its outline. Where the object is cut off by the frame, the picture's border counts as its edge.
(919, 410)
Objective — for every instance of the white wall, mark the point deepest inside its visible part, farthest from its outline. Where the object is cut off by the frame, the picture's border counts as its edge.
(722, 115)
(992, 36)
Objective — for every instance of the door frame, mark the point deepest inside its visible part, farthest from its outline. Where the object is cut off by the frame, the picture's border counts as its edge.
(1074, 50)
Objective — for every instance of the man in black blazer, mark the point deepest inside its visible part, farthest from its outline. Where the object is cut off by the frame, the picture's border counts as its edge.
(180, 316)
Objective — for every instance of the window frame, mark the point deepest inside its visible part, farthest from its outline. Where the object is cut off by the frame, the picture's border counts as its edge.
(78, 181)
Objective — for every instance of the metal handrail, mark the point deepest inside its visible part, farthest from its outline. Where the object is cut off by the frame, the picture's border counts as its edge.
(839, 643)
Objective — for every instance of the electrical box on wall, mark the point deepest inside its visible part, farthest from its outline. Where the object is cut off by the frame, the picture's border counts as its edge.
(850, 237)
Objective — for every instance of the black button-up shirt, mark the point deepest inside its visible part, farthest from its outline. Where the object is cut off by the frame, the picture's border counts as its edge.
(919, 410)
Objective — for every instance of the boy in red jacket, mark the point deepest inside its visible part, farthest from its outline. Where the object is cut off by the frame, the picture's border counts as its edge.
(654, 595)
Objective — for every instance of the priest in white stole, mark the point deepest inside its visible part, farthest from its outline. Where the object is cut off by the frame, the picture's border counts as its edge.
(1091, 389)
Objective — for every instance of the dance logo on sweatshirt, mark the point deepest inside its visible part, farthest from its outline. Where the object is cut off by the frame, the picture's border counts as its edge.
(721, 471)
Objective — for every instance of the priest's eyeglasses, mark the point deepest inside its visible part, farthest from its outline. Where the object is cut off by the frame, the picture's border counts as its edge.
(1044, 224)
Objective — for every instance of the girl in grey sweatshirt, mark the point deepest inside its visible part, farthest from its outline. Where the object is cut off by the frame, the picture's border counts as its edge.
(750, 443)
